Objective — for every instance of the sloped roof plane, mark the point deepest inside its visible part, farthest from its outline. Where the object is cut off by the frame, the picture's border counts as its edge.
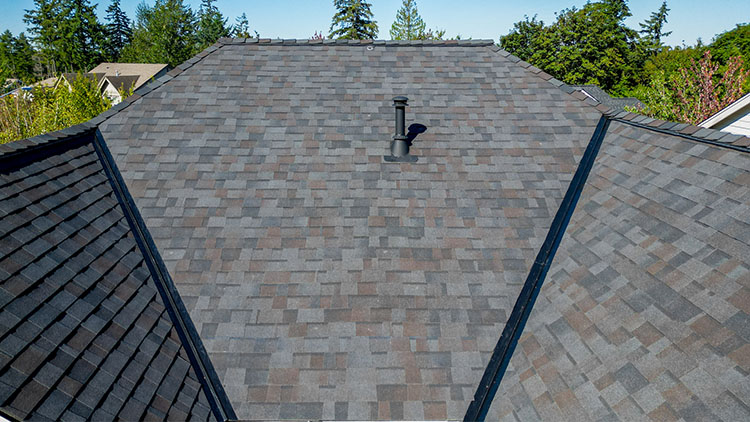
(89, 330)
(121, 82)
(324, 280)
(645, 311)
(327, 283)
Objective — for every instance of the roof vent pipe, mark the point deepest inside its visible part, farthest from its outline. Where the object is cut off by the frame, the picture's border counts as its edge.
(400, 144)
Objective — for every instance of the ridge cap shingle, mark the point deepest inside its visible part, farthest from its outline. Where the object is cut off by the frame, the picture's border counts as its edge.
(400, 43)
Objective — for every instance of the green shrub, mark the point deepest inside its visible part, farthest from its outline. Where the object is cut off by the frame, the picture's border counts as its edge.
(45, 110)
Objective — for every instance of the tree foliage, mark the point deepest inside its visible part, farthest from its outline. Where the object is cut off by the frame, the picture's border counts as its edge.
(353, 20)
(696, 92)
(16, 58)
(408, 24)
(118, 31)
(524, 39)
(733, 43)
(85, 35)
(164, 33)
(652, 29)
(590, 45)
(241, 28)
(43, 23)
(47, 110)
(211, 24)
(67, 34)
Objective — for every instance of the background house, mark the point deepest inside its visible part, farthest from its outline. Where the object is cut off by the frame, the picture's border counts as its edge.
(735, 118)
(126, 76)
(110, 78)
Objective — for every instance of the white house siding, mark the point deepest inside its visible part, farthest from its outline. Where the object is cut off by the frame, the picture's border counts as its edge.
(113, 94)
(738, 123)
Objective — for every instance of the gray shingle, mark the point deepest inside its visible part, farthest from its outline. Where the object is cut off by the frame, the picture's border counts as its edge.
(671, 317)
(323, 222)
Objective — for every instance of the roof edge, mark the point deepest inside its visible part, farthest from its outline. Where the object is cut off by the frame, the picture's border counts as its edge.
(695, 133)
(94, 122)
(703, 135)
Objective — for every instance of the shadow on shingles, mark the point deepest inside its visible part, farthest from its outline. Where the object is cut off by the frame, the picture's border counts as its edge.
(414, 130)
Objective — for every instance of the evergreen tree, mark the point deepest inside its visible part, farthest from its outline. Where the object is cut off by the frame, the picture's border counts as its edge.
(164, 33)
(44, 22)
(211, 24)
(439, 34)
(85, 36)
(241, 29)
(652, 29)
(7, 70)
(16, 58)
(118, 30)
(353, 20)
(408, 24)
(67, 33)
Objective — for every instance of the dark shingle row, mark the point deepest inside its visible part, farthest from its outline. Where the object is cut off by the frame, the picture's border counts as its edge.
(83, 330)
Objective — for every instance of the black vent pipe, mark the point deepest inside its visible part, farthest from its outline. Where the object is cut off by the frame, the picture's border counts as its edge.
(400, 144)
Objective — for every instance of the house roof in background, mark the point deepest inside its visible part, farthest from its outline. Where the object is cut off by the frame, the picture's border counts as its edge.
(326, 283)
(124, 82)
(144, 71)
(86, 329)
(95, 77)
(47, 83)
(726, 112)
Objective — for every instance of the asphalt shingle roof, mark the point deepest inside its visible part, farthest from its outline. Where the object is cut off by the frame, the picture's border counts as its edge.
(644, 314)
(84, 331)
(122, 82)
(143, 72)
(328, 283)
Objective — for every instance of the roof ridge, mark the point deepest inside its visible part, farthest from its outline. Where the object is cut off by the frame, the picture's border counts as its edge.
(703, 135)
(94, 122)
(399, 43)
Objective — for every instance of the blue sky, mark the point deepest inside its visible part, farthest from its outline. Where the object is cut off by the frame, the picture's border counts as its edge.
(486, 19)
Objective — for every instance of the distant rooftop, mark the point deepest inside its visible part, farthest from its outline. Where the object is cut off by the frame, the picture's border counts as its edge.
(144, 71)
